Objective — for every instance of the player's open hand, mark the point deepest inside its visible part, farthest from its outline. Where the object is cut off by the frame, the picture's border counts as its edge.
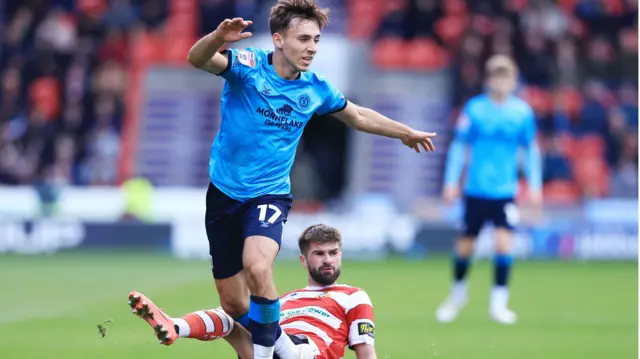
(419, 139)
(231, 30)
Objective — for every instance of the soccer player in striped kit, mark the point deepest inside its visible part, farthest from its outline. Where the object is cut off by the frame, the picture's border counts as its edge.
(322, 319)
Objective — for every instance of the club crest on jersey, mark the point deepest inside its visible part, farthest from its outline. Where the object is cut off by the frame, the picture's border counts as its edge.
(303, 101)
(247, 58)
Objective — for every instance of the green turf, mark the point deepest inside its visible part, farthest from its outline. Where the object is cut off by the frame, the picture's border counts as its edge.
(50, 306)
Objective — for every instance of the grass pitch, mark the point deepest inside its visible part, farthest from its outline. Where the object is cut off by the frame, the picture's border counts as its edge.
(50, 307)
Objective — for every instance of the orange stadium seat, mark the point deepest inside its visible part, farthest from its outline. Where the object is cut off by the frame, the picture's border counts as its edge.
(589, 146)
(538, 98)
(569, 99)
(450, 28)
(455, 7)
(389, 53)
(364, 18)
(592, 175)
(561, 192)
(424, 54)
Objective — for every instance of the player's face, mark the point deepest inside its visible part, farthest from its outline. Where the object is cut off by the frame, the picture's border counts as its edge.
(323, 262)
(501, 82)
(300, 43)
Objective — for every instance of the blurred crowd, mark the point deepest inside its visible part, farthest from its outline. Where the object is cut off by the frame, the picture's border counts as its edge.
(578, 63)
(64, 63)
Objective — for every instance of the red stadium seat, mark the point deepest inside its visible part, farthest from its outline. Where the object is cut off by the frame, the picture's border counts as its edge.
(424, 54)
(389, 54)
(589, 146)
(364, 18)
(567, 145)
(569, 100)
(592, 174)
(450, 28)
(538, 98)
(455, 7)
(561, 192)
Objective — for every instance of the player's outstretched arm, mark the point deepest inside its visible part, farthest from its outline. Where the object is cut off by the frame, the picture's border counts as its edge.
(370, 121)
(365, 351)
(204, 53)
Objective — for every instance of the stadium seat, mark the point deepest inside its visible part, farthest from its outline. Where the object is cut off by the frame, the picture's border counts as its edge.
(450, 28)
(176, 48)
(389, 54)
(455, 7)
(425, 55)
(592, 175)
(561, 192)
(538, 98)
(567, 145)
(147, 49)
(364, 18)
(589, 146)
(569, 100)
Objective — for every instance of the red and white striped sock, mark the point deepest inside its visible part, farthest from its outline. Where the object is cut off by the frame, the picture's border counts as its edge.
(204, 325)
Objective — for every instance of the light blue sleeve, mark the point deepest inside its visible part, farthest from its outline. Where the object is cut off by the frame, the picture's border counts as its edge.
(533, 168)
(241, 62)
(455, 157)
(332, 99)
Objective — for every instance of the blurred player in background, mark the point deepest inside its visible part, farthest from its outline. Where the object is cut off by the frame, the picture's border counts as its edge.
(321, 319)
(492, 127)
(268, 98)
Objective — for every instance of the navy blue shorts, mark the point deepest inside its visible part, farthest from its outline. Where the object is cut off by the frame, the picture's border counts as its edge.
(501, 212)
(229, 222)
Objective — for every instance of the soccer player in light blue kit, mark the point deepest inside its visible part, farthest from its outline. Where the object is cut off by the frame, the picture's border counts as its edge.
(268, 98)
(492, 127)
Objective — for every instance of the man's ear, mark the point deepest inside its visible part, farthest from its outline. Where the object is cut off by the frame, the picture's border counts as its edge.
(278, 40)
(303, 261)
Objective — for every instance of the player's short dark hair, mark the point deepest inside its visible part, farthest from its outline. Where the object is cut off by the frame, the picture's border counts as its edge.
(318, 233)
(285, 11)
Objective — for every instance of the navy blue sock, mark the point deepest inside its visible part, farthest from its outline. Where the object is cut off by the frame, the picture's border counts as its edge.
(460, 268)
(264, 315)
(502, 268)
(243, 320)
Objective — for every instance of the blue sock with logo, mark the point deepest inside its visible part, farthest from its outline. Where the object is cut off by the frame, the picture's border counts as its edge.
(264, 316)
(502, 268)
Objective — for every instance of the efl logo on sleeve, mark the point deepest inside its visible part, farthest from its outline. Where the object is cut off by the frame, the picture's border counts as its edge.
(247, 58)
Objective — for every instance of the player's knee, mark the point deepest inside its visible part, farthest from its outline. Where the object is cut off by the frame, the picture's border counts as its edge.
(260, 274)
(503, 241)
(464, 247)
(235, 307)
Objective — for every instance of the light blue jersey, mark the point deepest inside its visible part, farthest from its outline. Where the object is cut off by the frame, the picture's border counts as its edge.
(263, 116)
(494, 133)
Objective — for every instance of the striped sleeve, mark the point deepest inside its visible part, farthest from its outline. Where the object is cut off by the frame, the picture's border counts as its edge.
(360, 319)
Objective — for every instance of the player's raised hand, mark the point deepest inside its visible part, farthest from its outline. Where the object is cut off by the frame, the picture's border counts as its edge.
(230, 30)
(418, 139)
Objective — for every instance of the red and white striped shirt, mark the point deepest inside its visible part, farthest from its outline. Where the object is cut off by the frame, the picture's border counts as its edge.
(332, 317)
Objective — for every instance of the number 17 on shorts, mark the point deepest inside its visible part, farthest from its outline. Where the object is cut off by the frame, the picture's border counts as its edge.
(267, 219)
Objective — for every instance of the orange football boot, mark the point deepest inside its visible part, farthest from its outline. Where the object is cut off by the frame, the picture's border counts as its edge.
(161, 323)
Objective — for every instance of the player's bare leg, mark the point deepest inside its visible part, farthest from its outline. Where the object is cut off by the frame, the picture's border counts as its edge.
(234, 297)
(457, 299)
(264, 314)
(499, 310)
